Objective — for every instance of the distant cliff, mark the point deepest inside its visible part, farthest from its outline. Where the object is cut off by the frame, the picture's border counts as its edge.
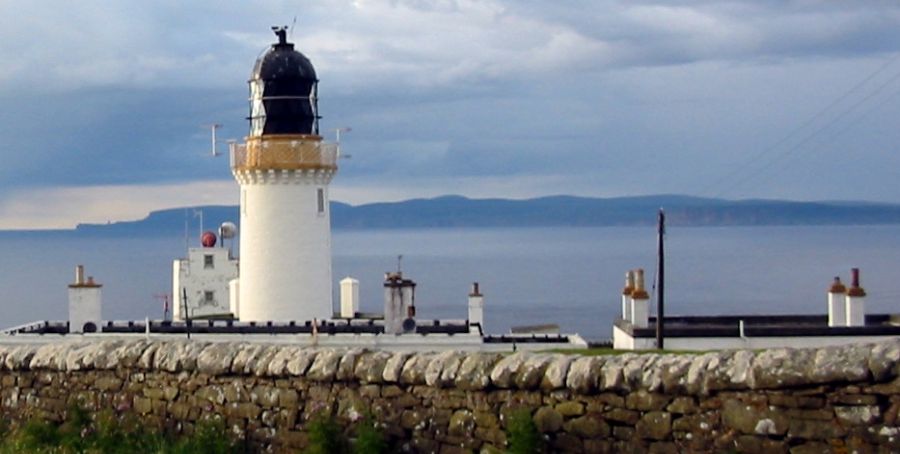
(456, 211)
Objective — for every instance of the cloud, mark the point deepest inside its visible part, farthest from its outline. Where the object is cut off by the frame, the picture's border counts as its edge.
(61, 207)
(645, 96)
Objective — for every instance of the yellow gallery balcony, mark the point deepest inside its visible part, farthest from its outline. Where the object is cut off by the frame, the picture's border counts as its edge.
(289, 152)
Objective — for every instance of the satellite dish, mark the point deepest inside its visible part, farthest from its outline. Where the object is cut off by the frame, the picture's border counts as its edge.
(227, 230)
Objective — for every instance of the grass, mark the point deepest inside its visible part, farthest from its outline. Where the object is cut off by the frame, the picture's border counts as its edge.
(109, 434)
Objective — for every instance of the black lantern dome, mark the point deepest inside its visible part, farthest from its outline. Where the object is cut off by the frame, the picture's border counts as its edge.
(283, 89)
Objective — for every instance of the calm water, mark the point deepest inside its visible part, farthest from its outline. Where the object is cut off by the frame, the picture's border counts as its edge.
(569, 276)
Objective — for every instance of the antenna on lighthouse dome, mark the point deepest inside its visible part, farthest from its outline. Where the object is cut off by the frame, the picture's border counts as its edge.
(281, 33)
(337, 141)
(214, 144)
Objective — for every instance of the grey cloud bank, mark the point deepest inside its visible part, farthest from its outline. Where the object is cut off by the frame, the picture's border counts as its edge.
(523, 98)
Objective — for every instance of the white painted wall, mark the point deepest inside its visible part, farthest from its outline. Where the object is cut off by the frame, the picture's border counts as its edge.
(85, 305)
(397, 300)
(349, 297)
(856, 310)
(837, 309)
(234, 296)
(623, 341)
(193, 275)
(640, 312)
(476, 310)
(285, 247)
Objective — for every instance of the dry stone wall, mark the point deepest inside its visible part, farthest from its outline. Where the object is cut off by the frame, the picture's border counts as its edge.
(841, 399)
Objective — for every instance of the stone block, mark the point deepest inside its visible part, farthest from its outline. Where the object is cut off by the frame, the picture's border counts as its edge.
(370, 366)
(646, 401)
(621, 415)
(682, 405)
(597, 446)
(857, 415)
(413, 372)
(564, 442)
(347, 364)
(820, 415)
(532, 371)
(754, 444)
(661, 447)
(389, 391)
(654, 425)
(815, 430)
(570, 408)
(394, 366)
(413, 419)
(583, 372)
(588, 426)
(487, 420)
(300, 362)
(547, 419)
(243, 410)
(556, 372)
(143, 405)
(811, 448)
(216, 358)
(753, 419)
(325, 366)
(288, 398)
(854, 399)
(504, 373)
(462, 423)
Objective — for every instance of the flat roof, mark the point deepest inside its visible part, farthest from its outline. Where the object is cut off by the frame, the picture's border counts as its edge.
(210, 326)
(324, 328)
(763, 326)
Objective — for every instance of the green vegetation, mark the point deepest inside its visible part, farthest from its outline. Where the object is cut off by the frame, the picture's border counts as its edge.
(522, 435)
(109, 434)
(369, 437)
(327, 437)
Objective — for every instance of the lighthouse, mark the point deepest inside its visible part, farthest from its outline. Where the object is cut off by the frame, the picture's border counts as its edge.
(283, 169)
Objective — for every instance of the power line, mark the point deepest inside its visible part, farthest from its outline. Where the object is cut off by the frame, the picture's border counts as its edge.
(853, 122)
(784, 139)
(809, 137)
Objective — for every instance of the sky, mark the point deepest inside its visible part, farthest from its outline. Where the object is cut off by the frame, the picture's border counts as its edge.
(105, 102)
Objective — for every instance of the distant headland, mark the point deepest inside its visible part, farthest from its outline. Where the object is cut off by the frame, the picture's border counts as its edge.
(552, 211)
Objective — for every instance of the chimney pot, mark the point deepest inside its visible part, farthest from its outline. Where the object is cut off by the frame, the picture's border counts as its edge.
(79, 274)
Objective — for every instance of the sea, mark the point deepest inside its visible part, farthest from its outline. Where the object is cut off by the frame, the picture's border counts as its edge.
(567, 276)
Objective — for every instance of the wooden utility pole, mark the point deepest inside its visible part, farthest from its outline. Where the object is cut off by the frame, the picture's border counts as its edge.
(187, 317)
(661, 288)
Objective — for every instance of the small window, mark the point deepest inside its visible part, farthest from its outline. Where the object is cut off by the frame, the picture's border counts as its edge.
(321, 200)
(208, 261)
(209, 297)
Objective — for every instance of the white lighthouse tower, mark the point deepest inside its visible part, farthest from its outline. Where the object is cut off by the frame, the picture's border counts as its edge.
(284, 169)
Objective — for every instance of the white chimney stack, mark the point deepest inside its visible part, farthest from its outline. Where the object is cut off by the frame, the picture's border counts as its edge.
(626, 295)
(856, 302)
(640, 302)
(399, 302)
(476, 306)
(349, 297)
(85, 304)
(837, 314)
